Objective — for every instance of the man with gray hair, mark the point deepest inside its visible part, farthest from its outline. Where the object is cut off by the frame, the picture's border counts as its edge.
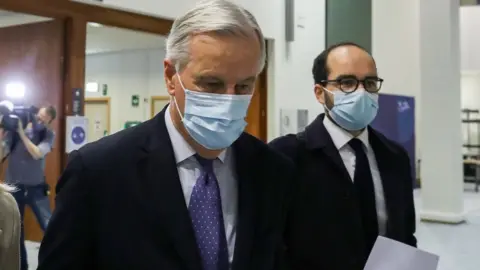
(188, 189)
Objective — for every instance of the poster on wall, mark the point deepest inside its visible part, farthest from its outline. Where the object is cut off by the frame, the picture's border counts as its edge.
(396, 120)
(76, 133)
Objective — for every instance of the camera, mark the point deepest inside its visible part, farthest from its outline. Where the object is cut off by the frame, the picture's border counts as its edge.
(11, 114)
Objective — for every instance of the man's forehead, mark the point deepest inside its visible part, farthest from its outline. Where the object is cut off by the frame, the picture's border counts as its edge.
(214, 55)
(350, 56)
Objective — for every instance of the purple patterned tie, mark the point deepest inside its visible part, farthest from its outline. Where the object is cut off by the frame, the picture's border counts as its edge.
(206, 212)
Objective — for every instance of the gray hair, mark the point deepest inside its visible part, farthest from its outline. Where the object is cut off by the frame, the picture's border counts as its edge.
(6, 188)
(218, 16)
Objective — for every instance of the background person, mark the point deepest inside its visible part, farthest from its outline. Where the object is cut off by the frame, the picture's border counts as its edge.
(353, 183)
(25, 151)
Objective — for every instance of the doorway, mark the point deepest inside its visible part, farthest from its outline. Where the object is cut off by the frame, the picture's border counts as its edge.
(97, 111)
(157, 103)
(257, 112)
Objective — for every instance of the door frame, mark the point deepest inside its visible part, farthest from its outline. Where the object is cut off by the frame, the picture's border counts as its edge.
(98, 13)
(106, 100)
(152, 103)
(263, 98)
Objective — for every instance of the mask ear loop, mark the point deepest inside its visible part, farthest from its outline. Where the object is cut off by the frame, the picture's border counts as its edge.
(325, 108)
(175, 99)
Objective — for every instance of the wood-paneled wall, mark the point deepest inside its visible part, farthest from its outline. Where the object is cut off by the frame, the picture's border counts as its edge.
(32, 54)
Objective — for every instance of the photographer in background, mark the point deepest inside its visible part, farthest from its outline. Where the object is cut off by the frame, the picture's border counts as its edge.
(25, 151)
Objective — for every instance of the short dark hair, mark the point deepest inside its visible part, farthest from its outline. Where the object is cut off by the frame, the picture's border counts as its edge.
(51, 111)
(320, 68)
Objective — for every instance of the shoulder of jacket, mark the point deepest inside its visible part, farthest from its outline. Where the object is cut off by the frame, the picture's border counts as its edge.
(287, 144)
(9, 216)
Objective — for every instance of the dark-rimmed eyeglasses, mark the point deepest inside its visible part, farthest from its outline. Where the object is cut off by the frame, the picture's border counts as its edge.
(350, 84)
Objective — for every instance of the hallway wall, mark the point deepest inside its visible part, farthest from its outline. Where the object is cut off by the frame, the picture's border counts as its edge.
(127, 73)
(290, 81)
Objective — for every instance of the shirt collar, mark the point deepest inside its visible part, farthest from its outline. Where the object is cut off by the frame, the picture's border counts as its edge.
(181, 149)
(341, 137)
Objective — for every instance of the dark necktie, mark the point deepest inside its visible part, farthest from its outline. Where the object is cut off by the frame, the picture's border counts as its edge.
(365, 191)
(206, 213)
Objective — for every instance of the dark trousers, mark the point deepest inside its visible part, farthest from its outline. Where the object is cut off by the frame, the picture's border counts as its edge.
(35, 197)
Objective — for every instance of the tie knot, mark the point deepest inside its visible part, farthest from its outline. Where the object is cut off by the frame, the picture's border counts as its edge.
(207, 164)
(356, 145)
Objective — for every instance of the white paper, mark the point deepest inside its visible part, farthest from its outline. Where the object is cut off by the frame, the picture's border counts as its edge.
(393, 255)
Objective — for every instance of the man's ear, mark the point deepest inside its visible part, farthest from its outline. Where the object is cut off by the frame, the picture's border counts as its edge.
(169, 73)
(319, 93)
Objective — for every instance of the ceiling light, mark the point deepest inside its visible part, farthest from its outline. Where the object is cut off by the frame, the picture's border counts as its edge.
(91, 87)
(15, 90)
(94, 24)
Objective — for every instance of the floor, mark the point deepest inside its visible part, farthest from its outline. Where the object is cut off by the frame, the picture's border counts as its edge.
(457, 245)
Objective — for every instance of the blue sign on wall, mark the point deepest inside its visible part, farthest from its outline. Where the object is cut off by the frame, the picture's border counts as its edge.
(396, 120)
(78, 135)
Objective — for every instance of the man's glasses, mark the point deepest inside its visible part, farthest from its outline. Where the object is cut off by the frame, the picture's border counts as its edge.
(350, 85)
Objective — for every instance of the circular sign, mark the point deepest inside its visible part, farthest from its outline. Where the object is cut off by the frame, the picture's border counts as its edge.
(78, 135)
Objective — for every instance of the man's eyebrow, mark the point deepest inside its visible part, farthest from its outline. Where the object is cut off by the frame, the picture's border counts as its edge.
(207, 78)
(201, 78)
(346, 76)
(249, 79)
(351, 76)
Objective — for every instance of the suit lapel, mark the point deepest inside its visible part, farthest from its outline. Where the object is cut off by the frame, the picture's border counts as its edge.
(318, 138)
(163, 193)
(384, 154)
(244, 165)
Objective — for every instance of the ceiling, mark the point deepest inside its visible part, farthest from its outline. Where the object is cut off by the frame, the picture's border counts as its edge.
(100, 39)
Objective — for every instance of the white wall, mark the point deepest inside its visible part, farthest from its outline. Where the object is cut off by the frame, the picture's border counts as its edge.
(264, 10)
(290, 79)
(397, 52)
(470, 85)
(127, 73)
(396, 48)
(470, 37)
(290, 72)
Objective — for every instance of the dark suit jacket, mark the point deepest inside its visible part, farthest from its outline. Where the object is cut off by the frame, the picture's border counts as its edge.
(120, 206)
(324, 227)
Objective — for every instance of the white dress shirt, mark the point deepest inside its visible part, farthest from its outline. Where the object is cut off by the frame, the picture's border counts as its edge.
(341, 138)
(189, 170)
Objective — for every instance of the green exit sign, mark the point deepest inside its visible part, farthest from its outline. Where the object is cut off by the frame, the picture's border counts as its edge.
(130, 124)
(135, 100)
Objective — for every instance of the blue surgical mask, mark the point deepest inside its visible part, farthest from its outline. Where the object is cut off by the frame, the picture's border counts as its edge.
(353, 111)
(214, 121)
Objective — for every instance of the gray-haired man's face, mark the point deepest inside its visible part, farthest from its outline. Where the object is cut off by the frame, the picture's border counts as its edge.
(218, 64)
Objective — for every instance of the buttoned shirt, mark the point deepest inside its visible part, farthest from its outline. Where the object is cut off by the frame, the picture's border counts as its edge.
(189, 171)
(340, 138)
